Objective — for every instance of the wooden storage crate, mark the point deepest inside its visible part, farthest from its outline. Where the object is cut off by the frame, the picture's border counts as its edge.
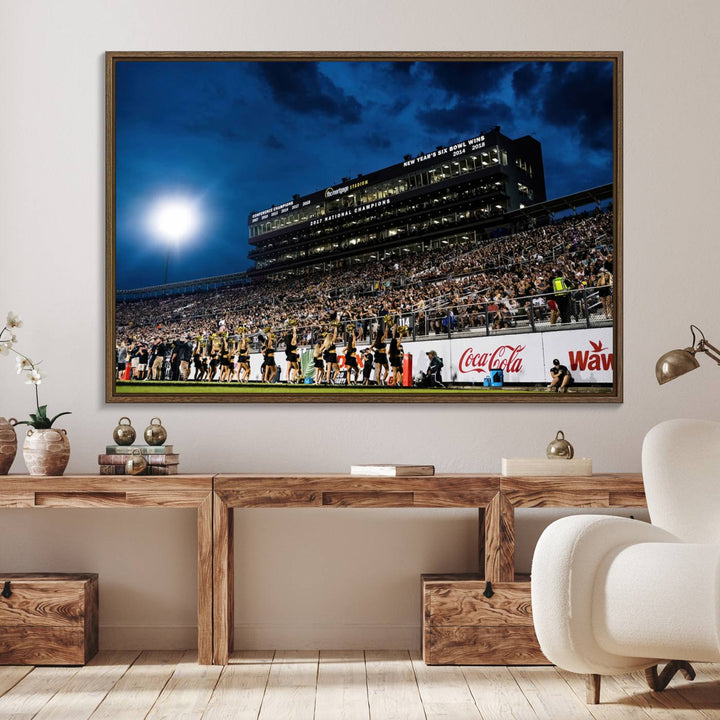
(48, 618)
(461, 626)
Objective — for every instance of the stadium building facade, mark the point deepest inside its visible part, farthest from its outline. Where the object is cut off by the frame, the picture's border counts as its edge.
(438, 198)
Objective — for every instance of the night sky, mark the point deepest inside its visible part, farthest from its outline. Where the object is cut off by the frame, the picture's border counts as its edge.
(238, 137)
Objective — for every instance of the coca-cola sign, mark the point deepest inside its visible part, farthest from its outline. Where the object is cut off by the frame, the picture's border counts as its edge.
(508, 358)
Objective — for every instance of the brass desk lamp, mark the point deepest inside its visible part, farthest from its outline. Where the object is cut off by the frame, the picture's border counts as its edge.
(677, 362)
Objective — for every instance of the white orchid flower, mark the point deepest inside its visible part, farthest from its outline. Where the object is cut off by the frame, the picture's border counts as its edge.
(23, 364)
(35, 377)
(5, 347)
(13, 320)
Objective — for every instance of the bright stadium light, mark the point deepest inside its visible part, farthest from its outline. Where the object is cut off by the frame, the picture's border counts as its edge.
(175, 219)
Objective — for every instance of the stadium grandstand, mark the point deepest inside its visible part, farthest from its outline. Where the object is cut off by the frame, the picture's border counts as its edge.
(457, 242)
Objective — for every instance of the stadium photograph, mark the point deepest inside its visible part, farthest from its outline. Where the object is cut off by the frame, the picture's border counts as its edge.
(365, 228)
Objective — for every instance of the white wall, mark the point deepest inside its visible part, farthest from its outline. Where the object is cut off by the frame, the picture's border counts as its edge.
(330, 578)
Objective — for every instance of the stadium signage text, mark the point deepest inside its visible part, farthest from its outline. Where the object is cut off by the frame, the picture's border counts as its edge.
(506, 357)
(599, 358)
(333, 192)
(275, 209)
(347, 213)
(453, 150)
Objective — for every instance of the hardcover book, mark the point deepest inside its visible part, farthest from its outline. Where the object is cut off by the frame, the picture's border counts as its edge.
(144, 449)
(150, 470)
(392, 470)
(110, 459)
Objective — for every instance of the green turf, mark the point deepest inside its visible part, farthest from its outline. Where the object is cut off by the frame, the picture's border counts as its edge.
(185, 388)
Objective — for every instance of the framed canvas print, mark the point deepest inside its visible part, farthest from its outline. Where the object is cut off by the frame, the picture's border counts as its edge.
(364, 227)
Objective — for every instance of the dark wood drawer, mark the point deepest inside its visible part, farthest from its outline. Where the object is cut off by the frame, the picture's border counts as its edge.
(48, 619)
(463, 626)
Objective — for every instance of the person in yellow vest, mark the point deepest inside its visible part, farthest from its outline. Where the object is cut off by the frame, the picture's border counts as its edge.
(561, 292)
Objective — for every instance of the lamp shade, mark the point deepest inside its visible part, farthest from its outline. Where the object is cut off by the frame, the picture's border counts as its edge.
(675, 363)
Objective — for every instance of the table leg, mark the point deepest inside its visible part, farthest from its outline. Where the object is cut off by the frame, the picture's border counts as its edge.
(223, 581)
(499, 546)
(205, 579)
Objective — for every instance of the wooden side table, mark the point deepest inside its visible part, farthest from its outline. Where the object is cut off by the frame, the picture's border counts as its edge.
(92, 491)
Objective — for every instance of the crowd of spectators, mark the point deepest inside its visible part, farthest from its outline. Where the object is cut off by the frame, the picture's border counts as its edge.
(464, 285)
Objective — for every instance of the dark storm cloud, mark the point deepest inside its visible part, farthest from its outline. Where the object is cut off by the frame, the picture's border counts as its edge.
(302, 88)
(461, 78)
(579, 95)
(377, 141)
(527, 79)
(274, 143)
(464, 118)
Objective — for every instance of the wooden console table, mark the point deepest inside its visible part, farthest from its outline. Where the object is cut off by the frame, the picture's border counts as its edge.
(126, 491)
(215, 497)
(495, 497)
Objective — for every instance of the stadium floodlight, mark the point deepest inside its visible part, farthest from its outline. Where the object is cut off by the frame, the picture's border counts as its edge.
(677, 362)
(175, 218)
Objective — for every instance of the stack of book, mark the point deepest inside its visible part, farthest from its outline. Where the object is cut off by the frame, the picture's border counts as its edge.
(160, 459)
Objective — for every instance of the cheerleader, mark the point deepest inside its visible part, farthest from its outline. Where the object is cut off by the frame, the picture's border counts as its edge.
(243, 359)
(318, 362)
(351, 363)
(381, 361)
(330, 356)
(292, 357)
(397, 353)
(225, 365)
(268, 352)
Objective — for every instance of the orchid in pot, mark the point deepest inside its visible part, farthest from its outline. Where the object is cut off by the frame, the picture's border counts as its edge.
(46, 450)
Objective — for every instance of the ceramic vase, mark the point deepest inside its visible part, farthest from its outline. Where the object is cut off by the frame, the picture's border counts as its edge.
(8, 444)
(46, 451)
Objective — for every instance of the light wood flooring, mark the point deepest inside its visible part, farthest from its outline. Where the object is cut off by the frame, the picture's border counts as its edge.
(370, 685)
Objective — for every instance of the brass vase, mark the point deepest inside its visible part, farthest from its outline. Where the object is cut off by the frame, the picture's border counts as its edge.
(46, 451)
(8, 444)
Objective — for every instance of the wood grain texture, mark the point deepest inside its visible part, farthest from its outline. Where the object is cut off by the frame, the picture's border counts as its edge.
(548, 694)
(205, 580)
(80, 499)
(34, 691)
(367, 499)
(223, 580)
(49, 619)
(188, 692)
(240, 691)
(28, 645)
(463, 603)
(14, 484)
(503, 645)
(87, 688)
(10, 676)
(499, 540)
(442, 490)
(615, 703)
(497, 694)
(592, 491)
(17, 500)
(49, 600)
(444, 692)
(137, 690)
(341, 686)
(392, 687)
(291, 686)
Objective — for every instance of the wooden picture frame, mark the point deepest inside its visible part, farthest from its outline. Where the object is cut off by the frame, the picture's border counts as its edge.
(466, 204)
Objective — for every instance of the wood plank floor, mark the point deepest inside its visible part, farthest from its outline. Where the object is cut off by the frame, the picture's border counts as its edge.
(350, 685)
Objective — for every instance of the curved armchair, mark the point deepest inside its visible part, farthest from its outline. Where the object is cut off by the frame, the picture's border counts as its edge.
(613, 595)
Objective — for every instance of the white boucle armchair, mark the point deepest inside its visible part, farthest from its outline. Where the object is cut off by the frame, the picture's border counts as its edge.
(614, 595)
